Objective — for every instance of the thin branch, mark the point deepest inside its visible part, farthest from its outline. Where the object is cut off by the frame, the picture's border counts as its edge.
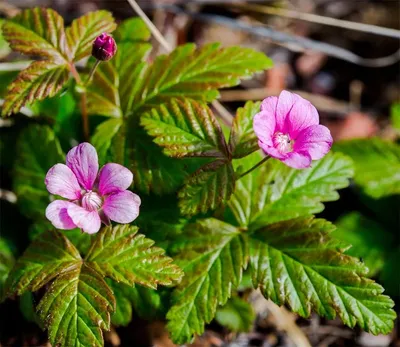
(313, 18)
(222, 111)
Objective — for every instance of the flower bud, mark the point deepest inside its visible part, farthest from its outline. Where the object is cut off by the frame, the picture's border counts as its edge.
(104, 47)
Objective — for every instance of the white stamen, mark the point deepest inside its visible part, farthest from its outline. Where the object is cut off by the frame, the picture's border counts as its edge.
(92, 201)
(282, 142)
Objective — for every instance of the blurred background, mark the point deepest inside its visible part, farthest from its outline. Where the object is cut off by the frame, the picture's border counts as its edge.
(343, 56)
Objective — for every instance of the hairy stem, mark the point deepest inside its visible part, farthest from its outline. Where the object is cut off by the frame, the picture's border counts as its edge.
(254, 167)
(85, 119)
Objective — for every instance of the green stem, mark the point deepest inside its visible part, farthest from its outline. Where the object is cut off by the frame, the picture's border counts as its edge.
(92, 71)
(254, 167)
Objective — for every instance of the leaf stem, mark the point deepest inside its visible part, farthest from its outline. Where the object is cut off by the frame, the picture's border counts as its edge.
(254, 167)
(85, 119)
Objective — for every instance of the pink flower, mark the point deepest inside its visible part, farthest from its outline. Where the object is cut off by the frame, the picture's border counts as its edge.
(93, 197)
(104, 47)
(288, 129)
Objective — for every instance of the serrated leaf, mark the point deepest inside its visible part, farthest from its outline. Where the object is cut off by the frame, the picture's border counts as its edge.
(38, 150)
(276, 192)
(185, 128)
(237, 315)
(77, 307)
(206, 189)
(197, 73)
(39, 32)
(40, 80)
(377, 164)
(297, 263)
(45, 258)
(212, 255)
(146, 302)
(83, 30)
(125, 256)
(243, 140)
(369, 240)
(103, 137)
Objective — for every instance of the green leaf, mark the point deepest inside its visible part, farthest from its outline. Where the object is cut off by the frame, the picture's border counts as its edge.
(38, 32)
(377, 164)
(6, 263)
(212, 255)
(237, 315)
(103, 93)
(37, 150)
(125, 256)
(83, 30)
(40, 80)
(185, 128)
(45, 258)
(197, 73)
(132, 30)
(146, 302)
(395, 116)
(276, 192)
(4, 46)
(243, 140)
(76, 307)
(152, 169)
(297, 263)
(103, 137)
(368, 239)
(209, 187)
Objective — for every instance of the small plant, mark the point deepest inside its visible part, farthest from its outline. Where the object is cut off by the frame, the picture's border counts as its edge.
(217, 205)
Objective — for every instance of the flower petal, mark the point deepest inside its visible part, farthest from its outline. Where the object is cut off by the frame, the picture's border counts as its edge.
(57, 214)
(60, 180)
(286, 100)
(316, 140)
(297, 160)
(83, 161)
(302, 115)
(114, 178)
(264, 126)
(122, 207)
(88, 221)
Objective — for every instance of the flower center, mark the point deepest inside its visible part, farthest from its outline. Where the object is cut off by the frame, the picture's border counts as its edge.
(92, 201)
(282, 142)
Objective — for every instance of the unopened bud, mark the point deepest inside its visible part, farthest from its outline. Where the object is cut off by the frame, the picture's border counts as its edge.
(104, 47)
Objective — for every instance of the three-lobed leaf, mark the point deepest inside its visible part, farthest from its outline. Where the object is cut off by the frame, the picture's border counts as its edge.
(83, 30)
(207, 188)
(212, 255)
(377, 165)
(125, 256)
(243, 140)
(297, 263)
(276, 192)
(185, 128)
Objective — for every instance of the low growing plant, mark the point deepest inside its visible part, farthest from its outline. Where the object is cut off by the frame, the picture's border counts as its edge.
(217, 206)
